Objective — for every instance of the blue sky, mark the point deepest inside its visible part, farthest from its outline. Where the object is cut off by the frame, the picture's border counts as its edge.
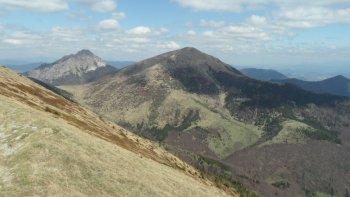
(271, 33)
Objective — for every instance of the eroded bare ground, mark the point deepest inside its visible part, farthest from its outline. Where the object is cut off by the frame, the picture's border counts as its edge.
(47, 106)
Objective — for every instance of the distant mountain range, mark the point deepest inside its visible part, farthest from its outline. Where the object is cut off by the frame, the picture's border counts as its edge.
(79, 68)
(275, 138)
(120, 64)
(338, 85)
(22, 68)
(263, 74)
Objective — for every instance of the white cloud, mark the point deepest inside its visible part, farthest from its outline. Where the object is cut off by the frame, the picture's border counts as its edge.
(242, 5)
(160, 31)
(112, 23)
(36, 5)
(118, 15)
(140, 30)
(172, 45)
(21, 37)
(108, 24)
(191, 33)
(64, 35)
(309, 17)
(99, 5)
(258, 20)
(104, 6)
(56, 5)
(163, 30)
(60, 41)
(78, 14)
(12, 41)
(208, 33)
(207, 5)
(243, 32)
(138, 40)
(239, 29)
(211, 23)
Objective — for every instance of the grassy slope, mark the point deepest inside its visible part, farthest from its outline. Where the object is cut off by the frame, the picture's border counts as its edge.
(41, 155)
(292, 132)
(232, 135)
(45, 151)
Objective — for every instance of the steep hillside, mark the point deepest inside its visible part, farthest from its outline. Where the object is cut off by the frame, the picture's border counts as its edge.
(82, 67)
(51, 146)
(172, 92)
(205, 111)
(263, 74)
(338, 85)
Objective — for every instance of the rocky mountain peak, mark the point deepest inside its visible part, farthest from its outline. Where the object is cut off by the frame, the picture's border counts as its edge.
(84, 52)
(78, 68)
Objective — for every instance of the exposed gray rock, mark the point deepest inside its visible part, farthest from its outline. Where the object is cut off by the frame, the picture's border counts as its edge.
(79, 68)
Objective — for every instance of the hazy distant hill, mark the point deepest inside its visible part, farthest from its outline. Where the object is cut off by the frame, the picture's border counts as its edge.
(82, 67)
(338, 85)
(120, 64)
(24, 67)
(50, 146)
(229, 125)
(263, 74)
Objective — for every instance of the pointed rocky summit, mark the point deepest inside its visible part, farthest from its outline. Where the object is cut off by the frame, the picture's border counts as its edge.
(82, 67)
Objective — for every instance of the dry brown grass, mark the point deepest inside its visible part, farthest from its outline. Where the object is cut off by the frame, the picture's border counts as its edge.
(60, 159)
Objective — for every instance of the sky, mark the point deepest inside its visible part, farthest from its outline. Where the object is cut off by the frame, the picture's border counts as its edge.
(270, 33)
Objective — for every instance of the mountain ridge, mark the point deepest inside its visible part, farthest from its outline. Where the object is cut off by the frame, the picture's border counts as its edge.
(186, 54)
(338, 85)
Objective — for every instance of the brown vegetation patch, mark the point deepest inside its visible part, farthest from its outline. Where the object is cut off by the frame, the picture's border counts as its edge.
(294, 169)
(193, 140)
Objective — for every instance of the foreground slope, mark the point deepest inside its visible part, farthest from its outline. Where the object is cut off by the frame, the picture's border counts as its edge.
(210, 114)
(79, 68)
(50, 146)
